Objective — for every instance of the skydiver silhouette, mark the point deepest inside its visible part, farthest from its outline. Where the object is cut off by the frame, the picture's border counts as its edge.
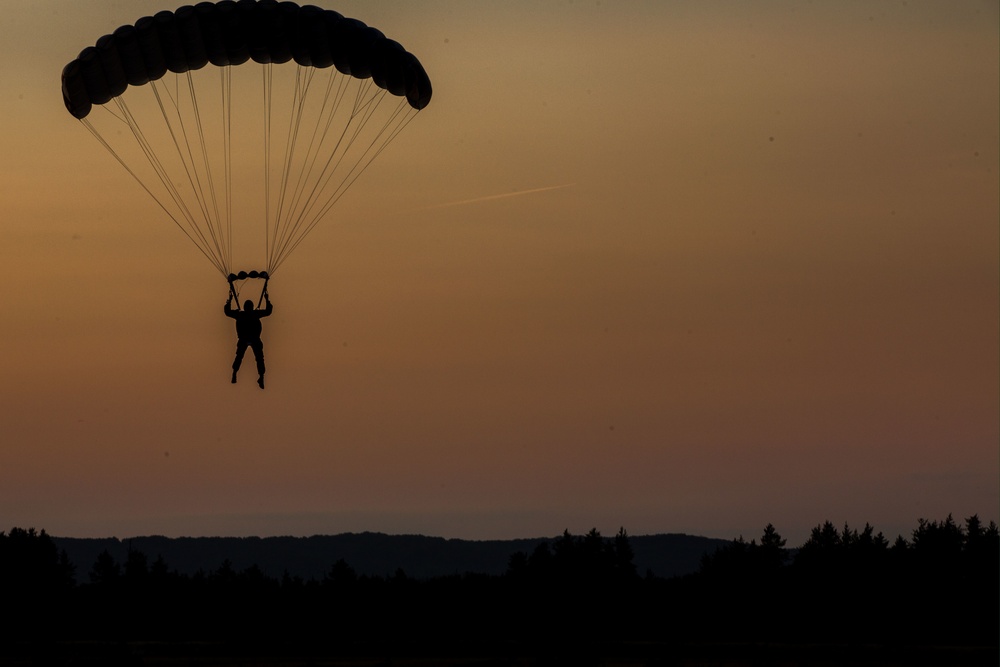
(248, 328)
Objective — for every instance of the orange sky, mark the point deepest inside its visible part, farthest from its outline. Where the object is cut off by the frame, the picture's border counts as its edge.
(768, 291)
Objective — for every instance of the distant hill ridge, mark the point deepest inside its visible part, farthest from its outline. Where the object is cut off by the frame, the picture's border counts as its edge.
(372, 554)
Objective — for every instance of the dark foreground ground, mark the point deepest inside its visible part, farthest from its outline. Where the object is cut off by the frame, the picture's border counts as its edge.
(619, 655)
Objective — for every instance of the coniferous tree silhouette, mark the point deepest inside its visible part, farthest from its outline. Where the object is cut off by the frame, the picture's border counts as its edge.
(772, 548)
(106, 571)
(35, 583)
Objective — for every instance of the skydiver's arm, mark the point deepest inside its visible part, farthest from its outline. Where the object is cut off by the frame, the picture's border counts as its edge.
(228, 310)
(268, 308)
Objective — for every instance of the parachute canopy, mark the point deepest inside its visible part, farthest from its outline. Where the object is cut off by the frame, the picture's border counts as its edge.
(310, 123)
(231, 33)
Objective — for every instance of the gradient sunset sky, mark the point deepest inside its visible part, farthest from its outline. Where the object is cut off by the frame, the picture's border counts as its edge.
(747, 272)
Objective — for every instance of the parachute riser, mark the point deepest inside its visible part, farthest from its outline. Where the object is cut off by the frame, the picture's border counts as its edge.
(248, 275)
(263, 294)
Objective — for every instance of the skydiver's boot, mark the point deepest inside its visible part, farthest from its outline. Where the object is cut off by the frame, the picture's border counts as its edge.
(234, 377)
(260, 381)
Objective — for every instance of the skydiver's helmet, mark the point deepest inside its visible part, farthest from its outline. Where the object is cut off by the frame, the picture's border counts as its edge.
(248, 305)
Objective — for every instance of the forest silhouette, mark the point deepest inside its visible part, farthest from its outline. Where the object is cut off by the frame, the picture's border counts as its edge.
(571, 597)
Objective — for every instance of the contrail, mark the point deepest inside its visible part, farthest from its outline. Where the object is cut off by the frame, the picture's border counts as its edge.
(503, 196)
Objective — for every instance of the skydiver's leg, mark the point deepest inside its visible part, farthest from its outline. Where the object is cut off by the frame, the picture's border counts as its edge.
(241, 348)
(258, 355)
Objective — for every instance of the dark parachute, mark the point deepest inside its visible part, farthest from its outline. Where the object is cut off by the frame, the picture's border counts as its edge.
(231, 33)
(314, 137)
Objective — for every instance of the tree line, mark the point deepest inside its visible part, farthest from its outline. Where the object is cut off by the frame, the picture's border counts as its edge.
(843, 586)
